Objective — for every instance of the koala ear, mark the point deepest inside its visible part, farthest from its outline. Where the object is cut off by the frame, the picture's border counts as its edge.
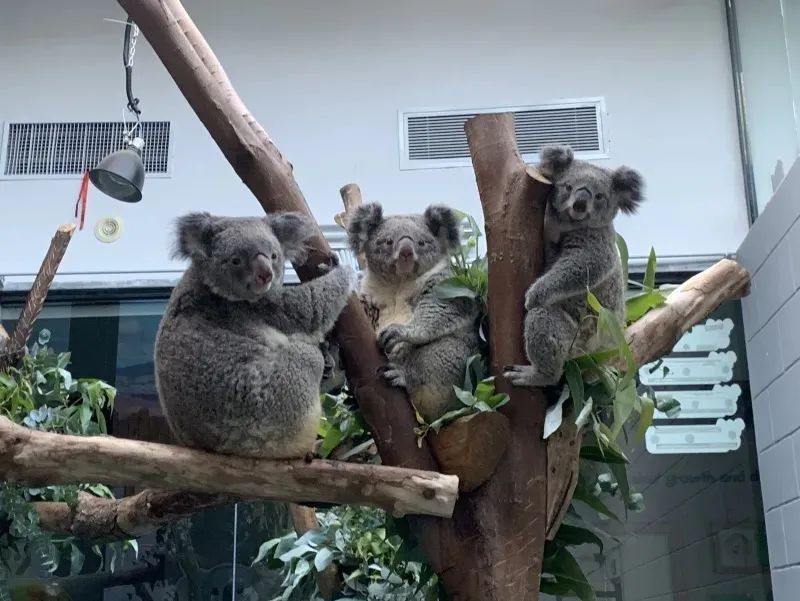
(362, 224)
(442, 223)
(555, 159)
(194, 233)
(292, 230)
(627, 186)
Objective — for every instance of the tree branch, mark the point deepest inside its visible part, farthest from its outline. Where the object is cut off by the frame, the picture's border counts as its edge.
(36, 297)
(42, 458)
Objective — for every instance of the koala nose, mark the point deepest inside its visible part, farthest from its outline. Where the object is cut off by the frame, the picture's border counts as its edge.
(262, 270)
(582, 198)
(406, 250)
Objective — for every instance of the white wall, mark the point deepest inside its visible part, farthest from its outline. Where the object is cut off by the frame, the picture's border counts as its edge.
(327, 78)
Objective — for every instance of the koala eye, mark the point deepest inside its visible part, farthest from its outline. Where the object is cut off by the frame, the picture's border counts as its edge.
(421, 243)
(598, 196)
(568, 187)
(236, 261)
(388, 242)
(274, 256)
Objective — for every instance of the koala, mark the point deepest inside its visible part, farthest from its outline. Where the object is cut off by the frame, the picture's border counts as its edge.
(580, 253)
(426, 339)
(238, 358)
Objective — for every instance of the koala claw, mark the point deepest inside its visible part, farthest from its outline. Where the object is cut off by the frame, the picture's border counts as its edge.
(394, 375)
(399, 350)
(533, 299)
(391, 336)
(520, 375)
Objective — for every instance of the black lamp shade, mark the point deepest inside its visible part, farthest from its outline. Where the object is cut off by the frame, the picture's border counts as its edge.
(120, 175)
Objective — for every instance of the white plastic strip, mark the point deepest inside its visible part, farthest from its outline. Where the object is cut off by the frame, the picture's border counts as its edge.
(720, 401)
(716, 368)
(722, 437)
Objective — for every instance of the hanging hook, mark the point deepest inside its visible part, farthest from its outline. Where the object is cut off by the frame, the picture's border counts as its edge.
(128, 50)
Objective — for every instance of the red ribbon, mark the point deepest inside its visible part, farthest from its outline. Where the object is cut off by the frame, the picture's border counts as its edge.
(82, 197)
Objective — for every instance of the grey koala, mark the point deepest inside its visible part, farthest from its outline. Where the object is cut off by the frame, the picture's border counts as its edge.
(237, 356)
(580, 254)
(426, 339)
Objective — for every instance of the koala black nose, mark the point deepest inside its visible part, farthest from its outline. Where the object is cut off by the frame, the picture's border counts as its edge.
(579, 205)
(581, 202)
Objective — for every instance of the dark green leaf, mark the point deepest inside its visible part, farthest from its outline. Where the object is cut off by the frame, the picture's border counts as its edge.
(620, 472)
(586, 497)
(608, 455)
(575, 383)
(572, 572)
(575, 535)
(451, 288)
(670, 407)
(623, 407)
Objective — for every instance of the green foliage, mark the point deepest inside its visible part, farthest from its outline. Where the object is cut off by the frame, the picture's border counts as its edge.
(41, 394)
(374, 559)
(477, 396)
(342, 430)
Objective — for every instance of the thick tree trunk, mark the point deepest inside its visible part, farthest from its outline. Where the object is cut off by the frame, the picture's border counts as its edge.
(500, 528)
(42, 458)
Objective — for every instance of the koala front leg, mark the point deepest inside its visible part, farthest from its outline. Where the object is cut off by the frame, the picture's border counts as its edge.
(433, 319)
(313, 307)
(549, 331)
(575, 271)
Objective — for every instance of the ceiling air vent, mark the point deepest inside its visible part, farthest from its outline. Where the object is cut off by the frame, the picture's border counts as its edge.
(434, 139)
(44, 150)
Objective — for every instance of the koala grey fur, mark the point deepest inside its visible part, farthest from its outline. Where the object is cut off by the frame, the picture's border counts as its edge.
(426, 339)
(237, 356)
(580, 252)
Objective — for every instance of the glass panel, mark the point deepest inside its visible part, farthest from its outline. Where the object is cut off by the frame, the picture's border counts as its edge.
(769, 40)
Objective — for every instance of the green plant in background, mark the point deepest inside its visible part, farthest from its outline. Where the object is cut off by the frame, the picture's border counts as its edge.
(41, 394)
(373, 558)
(342, 433)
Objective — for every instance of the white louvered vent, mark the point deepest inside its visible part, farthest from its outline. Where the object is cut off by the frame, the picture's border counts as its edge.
(431, 139)
(41, 150)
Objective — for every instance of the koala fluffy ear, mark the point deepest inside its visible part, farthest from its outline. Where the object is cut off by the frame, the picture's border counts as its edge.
(194, 233)
(292, 230)
(627, 186)
(555, 159)
(442, 223)
(362, 224)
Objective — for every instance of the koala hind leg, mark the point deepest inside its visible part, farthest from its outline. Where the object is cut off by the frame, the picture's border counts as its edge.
(549, 331)
(432, 370)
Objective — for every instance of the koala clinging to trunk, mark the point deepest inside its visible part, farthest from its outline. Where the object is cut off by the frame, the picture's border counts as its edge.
(580, 253)
(426, 339)
(237, 357)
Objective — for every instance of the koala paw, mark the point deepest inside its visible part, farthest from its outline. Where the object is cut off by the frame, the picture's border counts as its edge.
(534, 298)
(394, 375)
(520, 375)
(394, 341)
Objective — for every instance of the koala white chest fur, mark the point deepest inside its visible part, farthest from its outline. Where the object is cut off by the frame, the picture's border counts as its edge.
(395, 300)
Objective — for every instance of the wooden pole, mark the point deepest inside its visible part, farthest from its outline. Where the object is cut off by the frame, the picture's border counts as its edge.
(37, 295)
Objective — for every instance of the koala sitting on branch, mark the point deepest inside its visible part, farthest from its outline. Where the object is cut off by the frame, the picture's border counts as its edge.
(237, 356)
(426, 339)
(580, 254)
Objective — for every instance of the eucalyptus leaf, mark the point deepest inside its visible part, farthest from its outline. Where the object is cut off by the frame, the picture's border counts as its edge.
(575, 535)
(622, 247)
(650, 272)
(645, 418)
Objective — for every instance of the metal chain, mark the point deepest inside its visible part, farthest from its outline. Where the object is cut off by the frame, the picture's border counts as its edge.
(132, 45)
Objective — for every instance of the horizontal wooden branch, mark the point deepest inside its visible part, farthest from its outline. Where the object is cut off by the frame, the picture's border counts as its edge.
(35, 457)
(655, 334)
